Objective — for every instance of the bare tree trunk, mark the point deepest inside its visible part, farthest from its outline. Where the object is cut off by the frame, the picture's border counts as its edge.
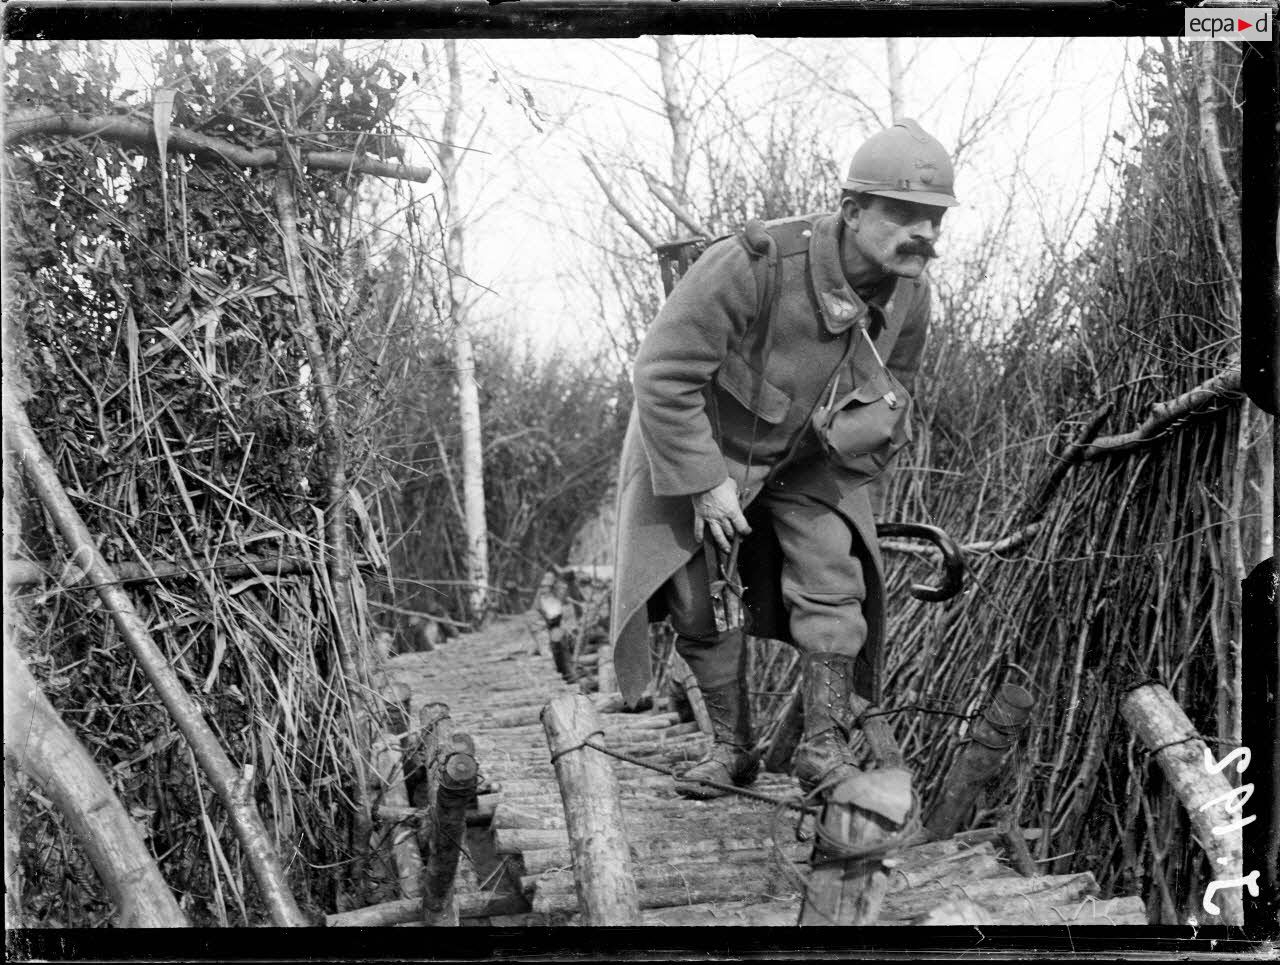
(1224, 196)
(1223, 213)
(673, 102)
(464, 356)
(895, 78)
(233, 791)
(44, 748)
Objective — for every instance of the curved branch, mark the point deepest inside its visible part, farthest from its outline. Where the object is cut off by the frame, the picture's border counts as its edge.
(24, 125)
(42, 746)
(1164, 415)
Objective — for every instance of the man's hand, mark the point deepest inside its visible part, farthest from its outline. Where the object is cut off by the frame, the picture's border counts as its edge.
(718, 511)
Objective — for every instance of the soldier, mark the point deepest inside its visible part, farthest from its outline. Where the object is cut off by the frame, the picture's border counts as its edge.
(768, 430)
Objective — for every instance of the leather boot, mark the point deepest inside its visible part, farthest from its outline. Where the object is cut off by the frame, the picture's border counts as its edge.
(826, 689)
(732, 759)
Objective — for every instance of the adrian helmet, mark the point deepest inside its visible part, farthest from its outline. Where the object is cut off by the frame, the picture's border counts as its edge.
(904, 162)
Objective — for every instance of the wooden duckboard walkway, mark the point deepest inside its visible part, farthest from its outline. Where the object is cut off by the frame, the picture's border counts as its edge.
(695, 862)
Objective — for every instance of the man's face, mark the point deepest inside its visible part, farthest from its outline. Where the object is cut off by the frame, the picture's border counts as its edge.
(895, 236)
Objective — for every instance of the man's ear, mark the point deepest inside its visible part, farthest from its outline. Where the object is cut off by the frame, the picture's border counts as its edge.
(850, 211)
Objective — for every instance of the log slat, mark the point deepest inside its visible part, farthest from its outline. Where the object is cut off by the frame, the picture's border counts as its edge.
(692, 862)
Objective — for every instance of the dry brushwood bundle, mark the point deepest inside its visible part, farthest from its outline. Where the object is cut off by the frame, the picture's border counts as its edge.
(1109, 496)
(183, 330)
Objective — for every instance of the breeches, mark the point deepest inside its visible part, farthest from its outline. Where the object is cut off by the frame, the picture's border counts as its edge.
(822, 588)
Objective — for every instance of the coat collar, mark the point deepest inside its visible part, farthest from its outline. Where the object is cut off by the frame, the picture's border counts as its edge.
(839, 305)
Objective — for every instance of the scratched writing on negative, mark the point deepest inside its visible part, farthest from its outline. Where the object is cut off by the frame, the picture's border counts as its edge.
(1234, 801)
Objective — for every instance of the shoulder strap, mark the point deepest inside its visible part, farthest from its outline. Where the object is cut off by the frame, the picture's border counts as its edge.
(762, 249)
(766, 264)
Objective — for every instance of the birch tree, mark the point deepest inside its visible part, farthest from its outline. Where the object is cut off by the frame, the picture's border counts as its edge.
(895, 78)
(477, 552)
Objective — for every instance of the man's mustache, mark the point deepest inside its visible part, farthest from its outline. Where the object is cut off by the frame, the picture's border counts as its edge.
(923, 248)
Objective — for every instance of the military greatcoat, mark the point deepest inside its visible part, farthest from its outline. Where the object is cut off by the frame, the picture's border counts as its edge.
(721, 393)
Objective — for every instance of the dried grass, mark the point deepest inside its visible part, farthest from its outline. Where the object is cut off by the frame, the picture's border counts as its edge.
(169, 389)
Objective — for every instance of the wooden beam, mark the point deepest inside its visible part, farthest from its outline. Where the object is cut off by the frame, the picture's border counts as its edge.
(25, 124)
(593, 813)
(29, 572)
(450, 787)
(1163, 727)
(390, 791)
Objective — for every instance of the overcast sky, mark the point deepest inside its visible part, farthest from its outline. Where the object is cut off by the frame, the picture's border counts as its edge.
(532, 209)
(1054, 104)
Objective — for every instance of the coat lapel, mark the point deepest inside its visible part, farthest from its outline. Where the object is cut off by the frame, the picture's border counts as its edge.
(839, 306)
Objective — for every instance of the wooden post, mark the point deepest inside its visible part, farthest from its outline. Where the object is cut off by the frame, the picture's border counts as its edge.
(990, 738)
(1161, 725)
(562, 653)
(593, 813)
(1015, 845)
(692, 691)
(864, 811)
(449, 788)
(606, 675)
(781, 746)
(390, 791)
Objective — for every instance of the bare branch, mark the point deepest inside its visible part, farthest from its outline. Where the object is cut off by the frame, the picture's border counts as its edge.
(1165, 415)
(663, 194)
(619, 205)
(23, 126)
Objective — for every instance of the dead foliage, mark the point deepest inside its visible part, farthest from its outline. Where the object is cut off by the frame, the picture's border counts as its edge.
(158, 335)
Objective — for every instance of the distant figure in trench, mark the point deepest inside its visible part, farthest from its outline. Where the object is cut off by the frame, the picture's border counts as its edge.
(769, 431)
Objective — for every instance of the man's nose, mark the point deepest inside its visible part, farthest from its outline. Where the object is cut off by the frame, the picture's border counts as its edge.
(925, 229)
